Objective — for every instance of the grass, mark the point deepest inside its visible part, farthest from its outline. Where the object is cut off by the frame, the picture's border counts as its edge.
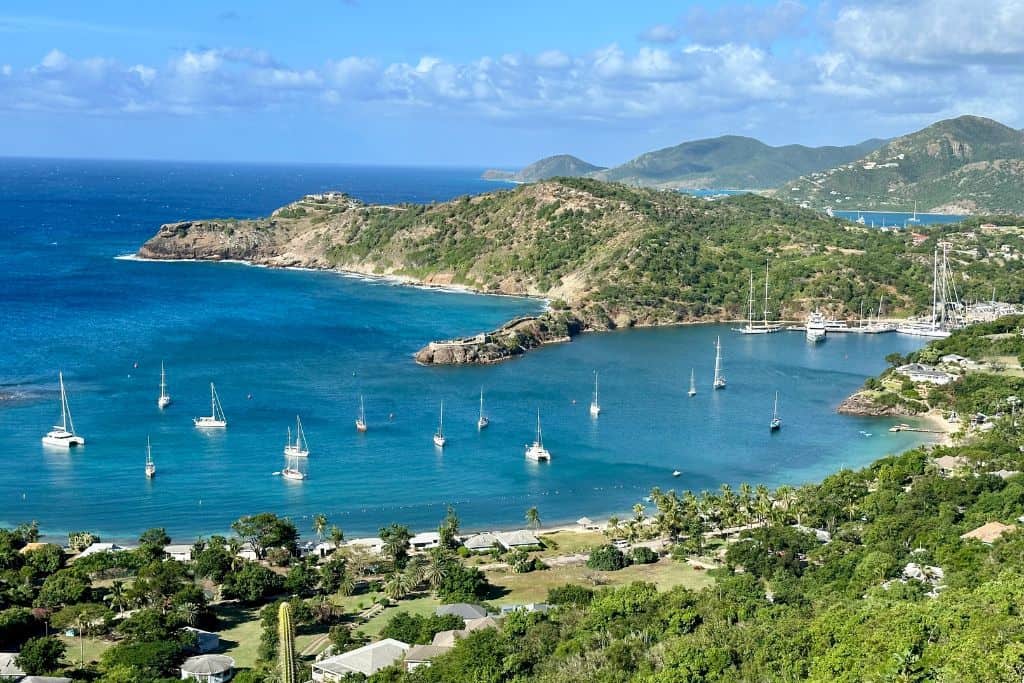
(422, 606)
(240, 633)
(571, 542)
(94, 647)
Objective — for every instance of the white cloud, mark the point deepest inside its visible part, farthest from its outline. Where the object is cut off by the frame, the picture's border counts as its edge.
(661, 33)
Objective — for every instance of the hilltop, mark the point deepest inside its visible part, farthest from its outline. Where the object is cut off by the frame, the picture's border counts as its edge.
(968, 164)
(730, 161)
(606, 255)
(560, 165)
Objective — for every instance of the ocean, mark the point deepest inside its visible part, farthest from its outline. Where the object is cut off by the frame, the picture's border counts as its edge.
(281, 343)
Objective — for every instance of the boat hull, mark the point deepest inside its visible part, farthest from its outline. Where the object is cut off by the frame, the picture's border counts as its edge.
(163, 402)
(63, 440)
(209, 423)
(440, 441)
(482, 423)
(538, 453)
(360, 426)
(932, 333)
(292, 474)
(595, 410)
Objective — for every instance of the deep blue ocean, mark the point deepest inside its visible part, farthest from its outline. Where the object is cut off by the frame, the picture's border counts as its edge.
(282, 342)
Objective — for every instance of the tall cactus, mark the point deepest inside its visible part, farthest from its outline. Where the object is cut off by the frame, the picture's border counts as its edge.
(286, 643)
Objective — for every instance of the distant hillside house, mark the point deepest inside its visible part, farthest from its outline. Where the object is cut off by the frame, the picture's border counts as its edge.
(919, 372)
(949, 465)
(481, 543)
(510, 540)
(989, 533)
(366, 660)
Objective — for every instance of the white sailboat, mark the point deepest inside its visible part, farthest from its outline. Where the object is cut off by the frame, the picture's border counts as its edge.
(361, 420)
(693, 385)
(536, 451)
(439, 439)
(299, 448)
(914, 218)
(63, 435)
(763, 326)
(945, 315)
(216, 419)
(877, 326)
(776, 423)
(719, 382)
(816, 330)
(483, 420)
(291, 470)
(150, 465)
(595, 403)
(164, 399)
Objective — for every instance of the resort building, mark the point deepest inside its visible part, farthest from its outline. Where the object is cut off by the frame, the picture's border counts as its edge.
(919, 372)
(448, 638)
(529, 608)
(372, 544)
(366, 660)
(179, 551)
(510, 540)
(420, 655)
(462, 609)
(101, 548)
(205, 640)
(989, 533)
(208, 668)
(426, 540)
(481, 543)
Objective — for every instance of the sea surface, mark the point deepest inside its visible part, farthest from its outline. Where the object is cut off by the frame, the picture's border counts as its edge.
(281, 343)
(896, 219)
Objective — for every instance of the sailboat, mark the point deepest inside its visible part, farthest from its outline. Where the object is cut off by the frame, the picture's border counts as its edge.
(216, 418)
(150, 465)
(439, 439)
(595, 403)
(945, 315)
(693, 385)
(719, 382)
(291, 470)
(761, 327)
(776, 423)
(536, 451)
(165, 399)
(63, 435)
(914, 218)
(483, 420)
(361, 420)
(299, 448)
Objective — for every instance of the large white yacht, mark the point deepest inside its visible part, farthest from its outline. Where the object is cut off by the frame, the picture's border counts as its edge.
(815, 327)
(63, 435)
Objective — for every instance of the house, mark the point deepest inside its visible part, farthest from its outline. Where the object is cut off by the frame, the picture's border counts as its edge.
(955, 359)
(481, 543)
(923, 573)
(208, 668)
(372, 543)
(462, 609)
(448, 638)
(9, 671)
(509, 540)
(179, 551)
(45, 679)
(366, 660)
(989, 533)
(529, 607)
(948, 465)
(426, 540)
(420, 655)
(919, 372)
(205, 640)
(822, 535)
(101, 548)
(918, 239)
(1006, 474)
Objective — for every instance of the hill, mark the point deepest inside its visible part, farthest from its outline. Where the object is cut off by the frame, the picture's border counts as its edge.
(730, 161)
(964, 165)
(607, 255)
(560, 165)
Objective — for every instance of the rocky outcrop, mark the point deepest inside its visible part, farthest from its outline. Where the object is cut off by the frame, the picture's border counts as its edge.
(865, 405)
(510, 340)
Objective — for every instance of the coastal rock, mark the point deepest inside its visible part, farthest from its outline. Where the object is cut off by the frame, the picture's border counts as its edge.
(864, 405)
(511, 340)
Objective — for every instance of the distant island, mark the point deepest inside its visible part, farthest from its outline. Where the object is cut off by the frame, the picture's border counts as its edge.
(560, 165)
(605, 255)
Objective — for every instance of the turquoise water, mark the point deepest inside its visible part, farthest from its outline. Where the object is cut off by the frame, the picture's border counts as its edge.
(309, 343)
(898, 219)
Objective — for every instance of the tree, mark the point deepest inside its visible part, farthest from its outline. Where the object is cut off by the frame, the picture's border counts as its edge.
(436, 568)
(152, 543)
(266, 530)
(462, 584)
(286, 644)
(80, 540)
(607, 558)
(40, 656)
(85, 618)
(533, 518)
(252, 583)
(146, 661)
(398, 585)
(337, 536)
(396, 543)
(117, 596)
(63, 588)
(449, 529)
(45, 560)
(319, 526)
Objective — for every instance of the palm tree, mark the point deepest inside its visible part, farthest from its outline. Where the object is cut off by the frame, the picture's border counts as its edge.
(611, 529)
(118, 596)
(533, 518)
(319, 526)
(337, 536)
(436, 570)
(397, 586)
(188, 612)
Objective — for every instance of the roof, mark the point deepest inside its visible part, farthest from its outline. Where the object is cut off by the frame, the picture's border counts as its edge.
(7, 665)
(45, 679)
(208, 664)
(177, 548)
(481, 541)
(988, 533)
(512, 539)
(585, 521)
(101, 548)
(462, 609)
(950, 462)
(29, 547)
(424, 653)
(482, 622)
(367, 660)
(448, 638)
(425, 538)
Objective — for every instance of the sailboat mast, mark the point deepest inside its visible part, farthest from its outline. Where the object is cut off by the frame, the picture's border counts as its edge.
(718, 357)
(935, 286)
(750, 302)
(540, 435)
(595, 386)
(766, 293)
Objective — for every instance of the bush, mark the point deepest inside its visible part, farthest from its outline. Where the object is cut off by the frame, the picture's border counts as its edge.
(416, 629)
(570, 594)
(607, 558)
(462, 584)
(40, 656)
(643, 555)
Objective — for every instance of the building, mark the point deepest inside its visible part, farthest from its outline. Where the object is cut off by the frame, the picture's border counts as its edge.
(481, 543)
(948, 465)
(510, 540)
(366, 660)
(101, 548)
(208, 668)
(420, 655)
(372, 544)
(529, 607)
(205, 640)
(45, 679)
(426, 540)
(989, 533)
(919, 372)
(462, 609)
(448, 638)
(179, 552)
(955, 359)
(9, 671)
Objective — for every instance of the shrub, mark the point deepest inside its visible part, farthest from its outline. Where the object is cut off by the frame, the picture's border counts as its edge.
(607, 558)
(644, 555)
(570, 594)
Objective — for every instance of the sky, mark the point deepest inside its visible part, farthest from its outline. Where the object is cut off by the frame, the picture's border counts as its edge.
(490, 84)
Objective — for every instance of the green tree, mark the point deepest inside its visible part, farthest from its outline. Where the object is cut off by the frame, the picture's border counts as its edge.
(152, 543)
(319, 526)
(40, 656)
(396, 539)
(252, 583)
(266, 530)
(533, 518)
(449, 530)
(63, 588)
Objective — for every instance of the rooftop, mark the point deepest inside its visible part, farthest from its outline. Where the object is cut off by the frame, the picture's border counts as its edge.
(208, 664)
(367, 660)
(462, 609)
(989, 533)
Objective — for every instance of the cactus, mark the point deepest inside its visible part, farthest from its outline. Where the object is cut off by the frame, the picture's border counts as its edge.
(286, 643)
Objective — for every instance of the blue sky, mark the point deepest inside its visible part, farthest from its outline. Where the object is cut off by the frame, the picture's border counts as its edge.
(490, 84)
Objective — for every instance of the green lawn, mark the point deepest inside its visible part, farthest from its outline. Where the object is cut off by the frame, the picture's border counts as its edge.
(423, 606)
(94, 647)
(240, 633)
(571, 542)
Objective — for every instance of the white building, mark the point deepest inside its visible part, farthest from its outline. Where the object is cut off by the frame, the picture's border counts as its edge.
(366, 660)
(919, 372)
(208, 668)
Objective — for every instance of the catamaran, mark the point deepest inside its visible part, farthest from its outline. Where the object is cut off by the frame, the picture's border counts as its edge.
(719, 382)
(776, 423)
(216, 418)
(595, 403)
(299, 448)
(816, 330)
(693, 385)
(361, 420)
(165, 399)
(63, 435)
(763, 326)
(536, 451)
(945, 316)
(439, 439)
(150, 465)
(483, 420)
